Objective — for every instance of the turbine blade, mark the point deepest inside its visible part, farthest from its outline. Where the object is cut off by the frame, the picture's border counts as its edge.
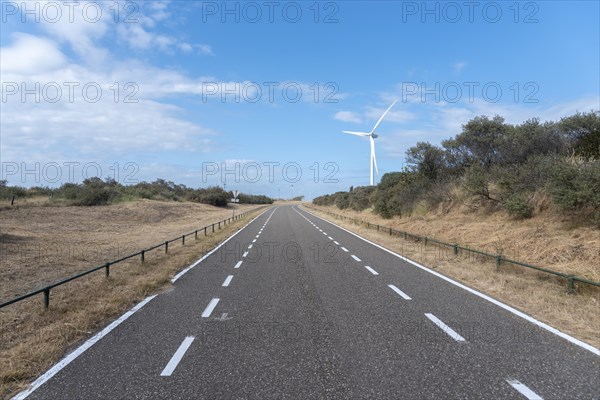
(380, 119)
(357, 133)
(373, 155)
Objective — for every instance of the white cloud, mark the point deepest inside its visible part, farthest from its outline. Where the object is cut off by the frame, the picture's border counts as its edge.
(30, 55)
(347, 116)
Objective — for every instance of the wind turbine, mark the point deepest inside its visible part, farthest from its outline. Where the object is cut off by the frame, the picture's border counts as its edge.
(372, 136)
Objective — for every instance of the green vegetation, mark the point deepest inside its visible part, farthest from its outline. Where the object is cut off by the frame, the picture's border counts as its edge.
(494, 164)
(95, 191)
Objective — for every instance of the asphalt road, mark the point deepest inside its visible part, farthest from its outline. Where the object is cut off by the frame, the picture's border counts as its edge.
(294, 307)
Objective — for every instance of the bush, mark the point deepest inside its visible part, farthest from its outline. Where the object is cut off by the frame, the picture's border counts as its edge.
(577, 187)
(517, 206)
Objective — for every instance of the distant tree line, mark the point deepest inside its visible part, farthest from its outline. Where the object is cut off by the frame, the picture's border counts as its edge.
(95, 191)
(497, 164)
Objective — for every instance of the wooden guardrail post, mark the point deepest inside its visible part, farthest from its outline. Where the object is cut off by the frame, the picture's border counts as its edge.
(46, 299)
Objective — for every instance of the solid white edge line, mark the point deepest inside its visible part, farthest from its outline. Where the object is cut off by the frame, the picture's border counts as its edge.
(238, 264)
(400, 292)
(174, 361)
(524, 390)
(204, 257)
(447, 330)
(356, 258)
(500, 304)
(227, 280)
(77, 352)
(345, 249)
(371, 270)
(210, 307)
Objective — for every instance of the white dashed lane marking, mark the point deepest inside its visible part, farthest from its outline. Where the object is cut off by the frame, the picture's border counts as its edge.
(449, 331)
(371, 270)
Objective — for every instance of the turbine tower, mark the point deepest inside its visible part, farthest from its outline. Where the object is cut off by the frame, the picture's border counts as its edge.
(372, 136)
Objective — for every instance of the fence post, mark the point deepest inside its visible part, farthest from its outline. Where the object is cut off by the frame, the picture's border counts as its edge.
(455, 249)
(498, 261)
(378, 228)
(213, 228)
(425, 241)
(166, 247)
(219, 224)
(405, 236)
(570, 284)
(390, 231)
(46, 299)
(196, 234)
(142, 255)
(205, 231)
(107, 270)
(183, 240)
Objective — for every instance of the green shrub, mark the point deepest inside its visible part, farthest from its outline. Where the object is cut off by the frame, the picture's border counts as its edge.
(517, 206)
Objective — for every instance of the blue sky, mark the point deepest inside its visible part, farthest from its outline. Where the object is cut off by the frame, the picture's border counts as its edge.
(176, 59)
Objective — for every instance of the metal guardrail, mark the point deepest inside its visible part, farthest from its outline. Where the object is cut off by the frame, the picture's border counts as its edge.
(570, 279)
(142, 253)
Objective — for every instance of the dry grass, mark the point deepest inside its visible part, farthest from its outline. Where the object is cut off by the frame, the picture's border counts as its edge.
(539, 241)
(31, 339)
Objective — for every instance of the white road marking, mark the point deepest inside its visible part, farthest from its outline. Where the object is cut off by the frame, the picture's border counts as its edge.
(524, 390)
(345, 249)
(257, 236)
(223, 317)
(254, 241)
(245, 254)
(449, 331)
(180, 274)
(400, 292)
(371, 270)
(324, 234)
(329, 237)
(336, 242)
(77, 352)
(238, 264)
(227, 281)
(210, 307)
(506, 307)
(249, 247)
(183, 347)
(356, 258)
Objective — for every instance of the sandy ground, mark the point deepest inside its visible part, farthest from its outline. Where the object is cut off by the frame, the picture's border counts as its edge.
(44, 244)
(40, 245)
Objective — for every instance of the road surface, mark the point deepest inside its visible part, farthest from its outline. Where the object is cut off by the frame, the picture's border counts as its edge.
(295, 307)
